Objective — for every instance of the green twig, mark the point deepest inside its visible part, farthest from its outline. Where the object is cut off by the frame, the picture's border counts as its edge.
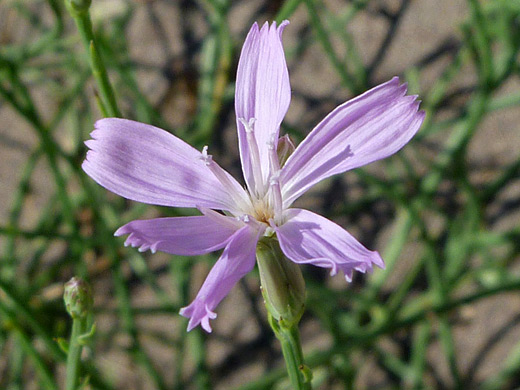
(79, 327)
(299, 374)
(81, 16)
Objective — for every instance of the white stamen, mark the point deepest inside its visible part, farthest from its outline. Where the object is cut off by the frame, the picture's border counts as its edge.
(276, 196)
(246, 218)
(255, 156)
(274, 165)
(271, 142)
(207, 158)
(222, 177)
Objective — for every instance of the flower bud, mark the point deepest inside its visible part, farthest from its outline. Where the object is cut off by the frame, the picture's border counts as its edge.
(78, 298)
(285, 149)
(283, 287)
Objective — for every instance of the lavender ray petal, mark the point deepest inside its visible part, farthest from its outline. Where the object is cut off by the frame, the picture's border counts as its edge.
(146, 164)
(262, 92)
(237, 260)
(308, 238)
(367, 128)
(184, 236)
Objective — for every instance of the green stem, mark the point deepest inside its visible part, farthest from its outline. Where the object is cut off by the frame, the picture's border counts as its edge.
(283, 289)
(74, 355)
(84, 25)
(299, 373)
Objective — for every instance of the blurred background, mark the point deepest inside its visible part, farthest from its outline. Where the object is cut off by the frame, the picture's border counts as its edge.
(444, 212)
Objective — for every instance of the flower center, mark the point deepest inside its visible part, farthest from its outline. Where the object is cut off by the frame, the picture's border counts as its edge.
(262, 210)
(265, 203)
(268, 208)
(266, 197)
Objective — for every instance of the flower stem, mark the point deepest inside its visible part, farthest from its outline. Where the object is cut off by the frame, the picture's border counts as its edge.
(74, 355)
(300, 375)
(283, 289)
(77, 296)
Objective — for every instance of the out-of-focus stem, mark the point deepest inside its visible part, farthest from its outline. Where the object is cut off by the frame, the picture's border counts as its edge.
(74, 355)
(81, 17)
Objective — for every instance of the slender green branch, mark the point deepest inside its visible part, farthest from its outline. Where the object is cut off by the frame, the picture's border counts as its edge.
(74, 355)
(44, 374)
(80, 12)
(299, 374)
(22, 310)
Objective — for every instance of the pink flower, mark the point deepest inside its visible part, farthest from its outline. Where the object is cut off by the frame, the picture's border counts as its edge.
(147, 164)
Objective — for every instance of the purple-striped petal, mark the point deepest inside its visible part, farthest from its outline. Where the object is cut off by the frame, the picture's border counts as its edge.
(308, 238)
(184, 236)
(146, 164)
(262, 92)
(237, 260)
(370, 127)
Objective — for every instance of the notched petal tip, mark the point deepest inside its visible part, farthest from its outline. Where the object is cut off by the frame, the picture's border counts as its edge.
(282, 26)
(122, 230)
(106, 122)
(107, 125)
(186, 311)
(206, 326)
(378, 260)
(278, 29)
(90, 143)
(143, 248)
(198, 314)
(333, 269)
(134, 240)
(210, 315)
(264, 27)
(191, 326)
(395, 80)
